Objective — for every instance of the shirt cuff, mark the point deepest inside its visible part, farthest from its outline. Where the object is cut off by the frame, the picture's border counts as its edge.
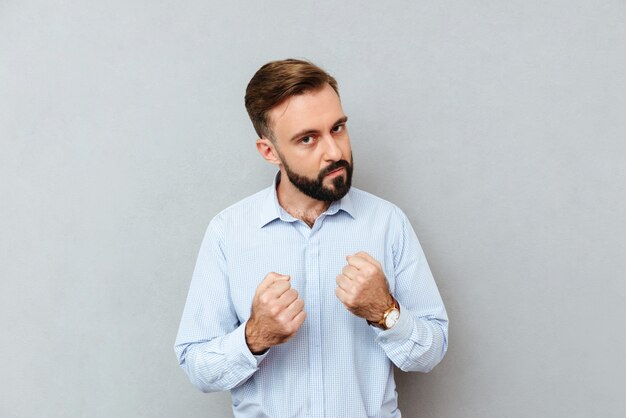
(400, 332)
(239, 346)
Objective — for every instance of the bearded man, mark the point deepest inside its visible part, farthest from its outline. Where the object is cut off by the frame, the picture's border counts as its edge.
(306, 294)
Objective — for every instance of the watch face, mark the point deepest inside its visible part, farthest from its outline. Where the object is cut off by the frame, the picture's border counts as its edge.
(392, 318)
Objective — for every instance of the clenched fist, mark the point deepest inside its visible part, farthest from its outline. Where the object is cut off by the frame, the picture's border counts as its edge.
(363, 288)
(277, 313)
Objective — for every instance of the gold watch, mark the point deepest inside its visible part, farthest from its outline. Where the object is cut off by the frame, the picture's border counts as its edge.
(391, 316)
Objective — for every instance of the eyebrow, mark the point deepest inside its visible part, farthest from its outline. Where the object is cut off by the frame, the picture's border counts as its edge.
(304, 132)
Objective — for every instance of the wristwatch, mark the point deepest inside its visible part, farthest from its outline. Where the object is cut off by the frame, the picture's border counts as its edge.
(391, 316)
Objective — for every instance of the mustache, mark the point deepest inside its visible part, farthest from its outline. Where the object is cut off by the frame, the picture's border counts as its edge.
(334, 166)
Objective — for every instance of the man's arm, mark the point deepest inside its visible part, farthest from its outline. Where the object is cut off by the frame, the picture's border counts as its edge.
(211, 345)
(419, 340)
(215, 350)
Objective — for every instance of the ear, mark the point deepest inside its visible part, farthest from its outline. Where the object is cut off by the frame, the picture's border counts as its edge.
(268, 151)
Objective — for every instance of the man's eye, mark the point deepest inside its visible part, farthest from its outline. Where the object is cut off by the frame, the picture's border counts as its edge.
(337, 129)
(307, 140)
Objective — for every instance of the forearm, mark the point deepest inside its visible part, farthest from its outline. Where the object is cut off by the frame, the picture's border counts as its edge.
(220, 364)
(415, 344)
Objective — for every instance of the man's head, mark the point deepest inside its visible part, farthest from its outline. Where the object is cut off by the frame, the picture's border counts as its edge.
(275, 82)
(295, 109)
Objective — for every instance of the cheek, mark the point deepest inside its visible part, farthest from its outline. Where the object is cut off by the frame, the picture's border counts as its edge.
(346, 150)
(305, 163)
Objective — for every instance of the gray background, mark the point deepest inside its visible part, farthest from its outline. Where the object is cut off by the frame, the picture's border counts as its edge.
(498, 126)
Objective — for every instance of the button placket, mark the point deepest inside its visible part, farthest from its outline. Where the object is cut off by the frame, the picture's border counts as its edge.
(316, 372)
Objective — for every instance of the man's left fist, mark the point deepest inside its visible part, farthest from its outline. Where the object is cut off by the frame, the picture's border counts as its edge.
(362, 287)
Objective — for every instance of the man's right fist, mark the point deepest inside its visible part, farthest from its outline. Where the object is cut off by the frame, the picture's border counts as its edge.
(277, 313)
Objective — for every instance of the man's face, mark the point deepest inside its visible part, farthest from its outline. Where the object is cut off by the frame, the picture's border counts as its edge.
(312, 143)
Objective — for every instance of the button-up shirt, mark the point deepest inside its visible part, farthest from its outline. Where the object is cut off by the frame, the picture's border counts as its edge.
(337, 365)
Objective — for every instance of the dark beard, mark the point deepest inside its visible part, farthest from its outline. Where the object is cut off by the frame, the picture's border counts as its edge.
(315, 188)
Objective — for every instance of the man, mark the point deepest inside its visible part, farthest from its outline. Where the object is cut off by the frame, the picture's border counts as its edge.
(305, 293)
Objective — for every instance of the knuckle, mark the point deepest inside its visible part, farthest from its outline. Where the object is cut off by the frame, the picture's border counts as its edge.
(274, 310)
(290, 329)
(369, 269)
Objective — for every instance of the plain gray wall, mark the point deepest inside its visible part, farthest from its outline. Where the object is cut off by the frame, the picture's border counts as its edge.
(498, 126)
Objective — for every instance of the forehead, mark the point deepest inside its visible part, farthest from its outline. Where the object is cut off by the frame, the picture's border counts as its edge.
(314, 110)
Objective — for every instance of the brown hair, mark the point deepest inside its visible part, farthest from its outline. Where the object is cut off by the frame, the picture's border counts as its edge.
(275, 82)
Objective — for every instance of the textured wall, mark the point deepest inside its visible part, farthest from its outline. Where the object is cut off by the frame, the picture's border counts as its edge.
(499, 128)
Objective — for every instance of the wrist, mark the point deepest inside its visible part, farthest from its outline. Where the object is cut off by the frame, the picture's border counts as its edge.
(254, 346)
(390, 314)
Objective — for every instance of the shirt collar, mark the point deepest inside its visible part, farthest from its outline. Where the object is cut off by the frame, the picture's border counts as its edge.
(271, 210)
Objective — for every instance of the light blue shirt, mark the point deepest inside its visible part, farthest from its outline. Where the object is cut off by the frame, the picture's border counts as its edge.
(336, 365)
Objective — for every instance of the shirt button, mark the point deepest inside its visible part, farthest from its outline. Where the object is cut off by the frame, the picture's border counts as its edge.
(383, 340)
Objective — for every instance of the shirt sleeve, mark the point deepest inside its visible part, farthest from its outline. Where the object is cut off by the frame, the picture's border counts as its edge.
(211, 342)
(419, 340)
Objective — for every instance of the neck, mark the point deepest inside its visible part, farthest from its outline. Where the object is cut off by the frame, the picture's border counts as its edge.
(298, 204)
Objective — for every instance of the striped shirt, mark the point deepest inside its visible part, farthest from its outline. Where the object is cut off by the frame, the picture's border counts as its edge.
(337, 365)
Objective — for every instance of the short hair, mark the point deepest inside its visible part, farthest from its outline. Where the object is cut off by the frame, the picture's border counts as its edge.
(275, 82)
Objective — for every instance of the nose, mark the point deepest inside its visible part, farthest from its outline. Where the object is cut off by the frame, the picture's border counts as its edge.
(332, 152)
